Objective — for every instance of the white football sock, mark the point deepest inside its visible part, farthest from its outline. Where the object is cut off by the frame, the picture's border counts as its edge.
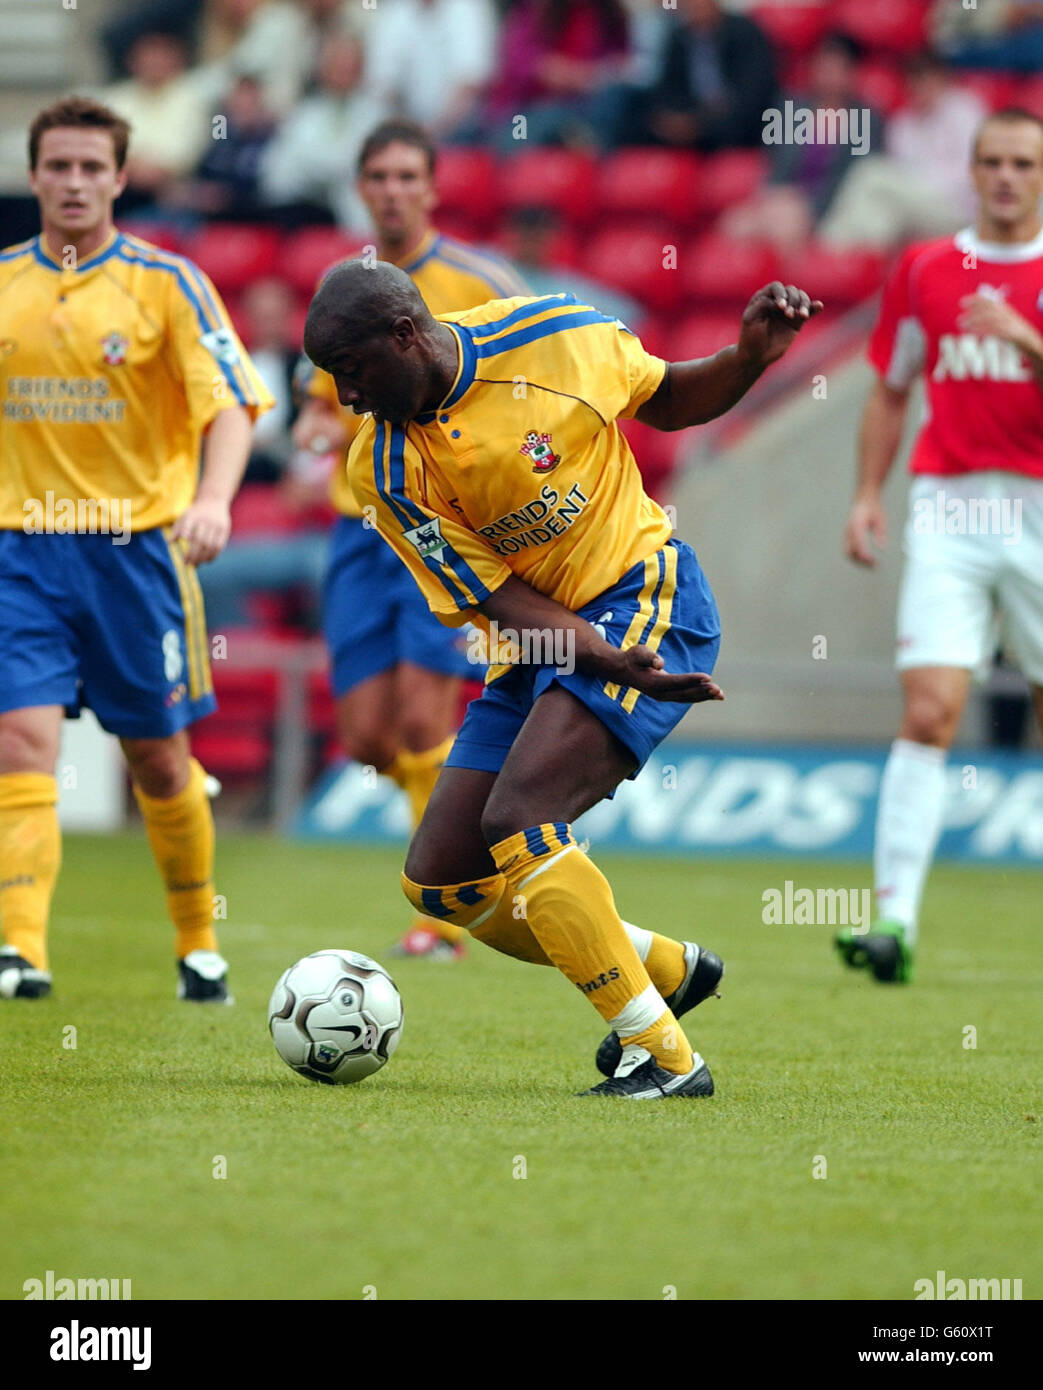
(908, 823)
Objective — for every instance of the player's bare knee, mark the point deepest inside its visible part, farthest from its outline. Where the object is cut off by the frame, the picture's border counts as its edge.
(930, 718)
(25, 746)
(419, 731)
(158, 766)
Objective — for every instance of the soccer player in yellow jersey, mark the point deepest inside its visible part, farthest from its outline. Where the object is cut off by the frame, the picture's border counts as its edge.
(395, 669)
(116, 360)
(497, 473)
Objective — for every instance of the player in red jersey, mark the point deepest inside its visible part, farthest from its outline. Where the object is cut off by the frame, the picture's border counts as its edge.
(967, 313)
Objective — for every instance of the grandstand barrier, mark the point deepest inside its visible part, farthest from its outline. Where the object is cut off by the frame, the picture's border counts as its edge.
(766, 800)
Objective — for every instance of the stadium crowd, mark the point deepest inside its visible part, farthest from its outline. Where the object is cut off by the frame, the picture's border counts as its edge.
(580, 138)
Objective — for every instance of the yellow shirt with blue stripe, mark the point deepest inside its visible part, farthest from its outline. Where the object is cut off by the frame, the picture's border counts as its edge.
(110, 371)
(522, 469)
(450, 275)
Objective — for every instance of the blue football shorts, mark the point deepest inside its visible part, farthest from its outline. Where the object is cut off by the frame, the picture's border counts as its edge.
(118, 628)
(664, 602)
(374, 617)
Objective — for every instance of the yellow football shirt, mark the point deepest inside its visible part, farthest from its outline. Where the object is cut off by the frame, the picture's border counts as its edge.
(522, 469)
(450, 275)
(110, 371)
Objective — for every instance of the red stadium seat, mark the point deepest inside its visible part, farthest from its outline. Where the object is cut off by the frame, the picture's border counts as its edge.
(900, 26)
(637, 181)
(881, 84)
(632, 258)
(730, 177)
(996, 89)
(167, 238)
(458, 225)
(701, 335)
(559, 179)
(1030, 95)
(230, 753)
(233, 255)
(259, 510)
(718, 268)
(836, 277)
(467, 186)
(794, 27)
(307, 254)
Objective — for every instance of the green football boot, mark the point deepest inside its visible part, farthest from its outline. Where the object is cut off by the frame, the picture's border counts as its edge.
(883, 950)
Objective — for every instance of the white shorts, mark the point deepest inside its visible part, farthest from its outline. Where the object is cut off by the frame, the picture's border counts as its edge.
(973, 576)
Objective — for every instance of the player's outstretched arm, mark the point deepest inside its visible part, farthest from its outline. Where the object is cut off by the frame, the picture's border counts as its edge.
(206, 522)
(692, 393)
(516, 607)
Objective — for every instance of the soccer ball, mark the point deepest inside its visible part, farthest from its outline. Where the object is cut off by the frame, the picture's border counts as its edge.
(335, 1016)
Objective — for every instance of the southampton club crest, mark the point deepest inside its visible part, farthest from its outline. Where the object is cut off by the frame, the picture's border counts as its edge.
(428, 540)
(114, 349)
(537, 448)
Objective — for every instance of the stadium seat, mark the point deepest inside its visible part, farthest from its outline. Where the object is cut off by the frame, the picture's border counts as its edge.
(836, 277)
(559, 179)
(166, 237)
(234, 254)
(307, 254)
(631, 257)
(1030, 95)
(797, 28)
(996, 89)
(730, 176)
(259, 510)
(468, 187)
(881, 84)
(230, 754)
(701, 335)
(721, 269)
(636, 181)
(899, 26)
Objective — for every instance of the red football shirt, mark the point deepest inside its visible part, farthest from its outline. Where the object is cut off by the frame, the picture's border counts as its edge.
(984, 405)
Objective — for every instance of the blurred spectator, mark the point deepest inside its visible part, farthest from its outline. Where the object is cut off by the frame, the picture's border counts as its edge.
(921, 187)
(430, 60)
(267, 311)
(717, 79)
(308, 170)
(559, 63)
(529, 241)
(167, 115)
(118, 36)
(1003, 34)
(271, 40)
(225, 182)
(804, 178)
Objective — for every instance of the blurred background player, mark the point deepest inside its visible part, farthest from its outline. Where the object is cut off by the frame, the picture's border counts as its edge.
(396, 670)
(967, 313)
(117, 359)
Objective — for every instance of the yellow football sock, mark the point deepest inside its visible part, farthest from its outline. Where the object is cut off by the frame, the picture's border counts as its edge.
(483, 908)
(569, 907)
(416, 774)
(180, 830)
(30, 856)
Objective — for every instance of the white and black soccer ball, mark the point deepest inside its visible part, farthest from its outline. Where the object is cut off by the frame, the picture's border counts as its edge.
(335, 1016)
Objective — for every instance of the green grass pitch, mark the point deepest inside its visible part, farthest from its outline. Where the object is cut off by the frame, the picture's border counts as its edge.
(410, 1184)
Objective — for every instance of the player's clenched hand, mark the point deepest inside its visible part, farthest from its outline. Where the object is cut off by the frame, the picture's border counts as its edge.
(205, 526)
(642, 669)
(772, 319)
(997, 319)
(867, 520)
